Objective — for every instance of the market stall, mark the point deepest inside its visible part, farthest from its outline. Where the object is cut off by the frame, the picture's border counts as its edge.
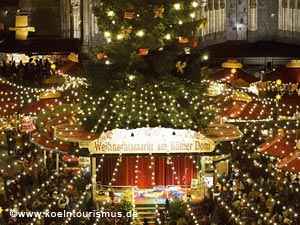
(232, 73)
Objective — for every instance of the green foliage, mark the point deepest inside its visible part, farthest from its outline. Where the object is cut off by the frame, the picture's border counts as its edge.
(122, 42)
(165, 102)
(177, 210)
(125, 206)
(145, 90)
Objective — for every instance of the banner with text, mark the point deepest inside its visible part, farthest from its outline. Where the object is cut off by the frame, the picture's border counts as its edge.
(151, 140)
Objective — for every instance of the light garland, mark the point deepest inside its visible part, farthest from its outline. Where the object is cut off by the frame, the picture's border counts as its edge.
(77, 206)
(136, 171)
(54, 202)
(261, 190)
(36, 191)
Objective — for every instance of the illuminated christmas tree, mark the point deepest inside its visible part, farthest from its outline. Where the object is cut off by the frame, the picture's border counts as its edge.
(149, 47)
(152, 37)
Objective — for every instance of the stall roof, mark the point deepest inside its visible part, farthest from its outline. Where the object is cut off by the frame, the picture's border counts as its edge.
(225, 74)
(280, 146)
(35, 107)
(40, 46)
(73, 133)
(291, 163)
(286, 75)
(222, 132)
(49, 144)
(234, 109)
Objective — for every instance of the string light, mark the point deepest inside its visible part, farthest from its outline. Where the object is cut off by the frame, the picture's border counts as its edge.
(140, 33)
(177, 6)
(145, 97)
(62, 194)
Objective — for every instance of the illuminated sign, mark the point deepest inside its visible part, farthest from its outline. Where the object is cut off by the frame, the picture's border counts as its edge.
(151, 141)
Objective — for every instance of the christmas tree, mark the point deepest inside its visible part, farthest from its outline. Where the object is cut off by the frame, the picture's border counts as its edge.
(149, 37)
(148, 47)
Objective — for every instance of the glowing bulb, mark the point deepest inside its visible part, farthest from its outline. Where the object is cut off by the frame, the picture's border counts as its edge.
(107, 34)
(140, 33)
(119, 36)
(192, 15)
(168, 36)
(177, 6)
(53, 66)
(180, 22)
(110, 13)
(194, 4)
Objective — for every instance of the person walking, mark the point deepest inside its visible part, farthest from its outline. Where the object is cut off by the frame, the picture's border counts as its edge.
(11, 141)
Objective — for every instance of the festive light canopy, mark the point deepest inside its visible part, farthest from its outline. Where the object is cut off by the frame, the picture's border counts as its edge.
(280, 146)
(235, 108)
(233, 74)
(49, 144)
(35, 107)
(290, 163)
(222, 132)
(139, 108)
(73, 133)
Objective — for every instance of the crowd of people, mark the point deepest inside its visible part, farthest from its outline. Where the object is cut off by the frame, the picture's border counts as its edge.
(31, 73)
(255, 192)
(35, 184)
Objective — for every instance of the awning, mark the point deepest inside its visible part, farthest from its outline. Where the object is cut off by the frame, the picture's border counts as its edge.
(222, 132)
(49, 144)
(73, 133)
(280, 146)
(233, 109)
(226, 75)
(291, 163)
(35, 107)
(286, 75)
(288, 105)
(9, 108)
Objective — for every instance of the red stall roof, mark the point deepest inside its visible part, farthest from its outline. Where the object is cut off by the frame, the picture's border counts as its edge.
(280, 146)
(290, 163)
(286, 75)
(49, 144)
(35, 107)
(226, 75)
(288, 105)
(9, 108)
(234, 109)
